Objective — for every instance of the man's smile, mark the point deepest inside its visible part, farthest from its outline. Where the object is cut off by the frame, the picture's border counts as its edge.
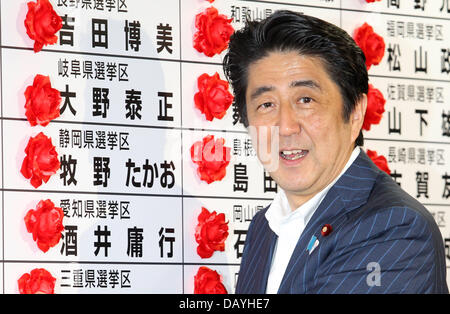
(292, 156)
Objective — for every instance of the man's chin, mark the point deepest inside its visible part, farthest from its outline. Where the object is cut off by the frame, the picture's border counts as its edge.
(291, 185)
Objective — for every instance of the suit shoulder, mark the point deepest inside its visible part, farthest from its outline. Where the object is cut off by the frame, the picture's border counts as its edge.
(260, 215)
(258, 220)
(397, 231)
(389, 198)
(391, 213)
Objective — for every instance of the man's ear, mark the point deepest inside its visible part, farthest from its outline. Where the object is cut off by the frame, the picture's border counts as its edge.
(357, 116)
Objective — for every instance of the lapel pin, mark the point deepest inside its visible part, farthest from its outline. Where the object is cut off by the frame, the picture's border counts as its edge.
(313, 243)
(326, 230)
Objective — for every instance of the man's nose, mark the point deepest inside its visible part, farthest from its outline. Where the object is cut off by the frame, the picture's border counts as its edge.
(288, 121)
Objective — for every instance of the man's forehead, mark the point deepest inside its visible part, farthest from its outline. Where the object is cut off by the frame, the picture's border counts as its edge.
(259, 90)
(292, 66)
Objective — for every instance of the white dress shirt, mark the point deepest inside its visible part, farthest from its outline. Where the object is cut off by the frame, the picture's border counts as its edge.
(289, 224)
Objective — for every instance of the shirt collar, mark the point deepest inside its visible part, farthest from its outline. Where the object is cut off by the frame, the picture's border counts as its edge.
(279, 211)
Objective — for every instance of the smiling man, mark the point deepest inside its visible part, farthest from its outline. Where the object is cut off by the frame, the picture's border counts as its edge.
(338, 224)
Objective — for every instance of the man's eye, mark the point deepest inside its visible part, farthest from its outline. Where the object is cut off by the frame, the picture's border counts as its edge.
(266, 105)
(305, 100)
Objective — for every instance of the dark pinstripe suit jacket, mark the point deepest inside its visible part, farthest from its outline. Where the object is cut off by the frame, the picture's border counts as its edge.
(373, 220)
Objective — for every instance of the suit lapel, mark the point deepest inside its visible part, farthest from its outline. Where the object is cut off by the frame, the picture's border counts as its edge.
(257, 269)
(263, 266)
(332, 203)
(349, 192)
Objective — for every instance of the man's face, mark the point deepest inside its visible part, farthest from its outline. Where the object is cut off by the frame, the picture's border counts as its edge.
(295, 93)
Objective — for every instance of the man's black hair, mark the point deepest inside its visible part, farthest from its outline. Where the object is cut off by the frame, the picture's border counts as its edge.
(286, 31)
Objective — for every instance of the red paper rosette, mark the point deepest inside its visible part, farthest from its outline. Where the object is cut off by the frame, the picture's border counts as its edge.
(379, 160)
(38, 280)
(212, 158)
(208, 281)
(213, 32)
(42, 23)
(42, 101)
(375, 107)
(213, 98)
(370, 43)
(210, 233)
(45, 223)
(41, 160)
